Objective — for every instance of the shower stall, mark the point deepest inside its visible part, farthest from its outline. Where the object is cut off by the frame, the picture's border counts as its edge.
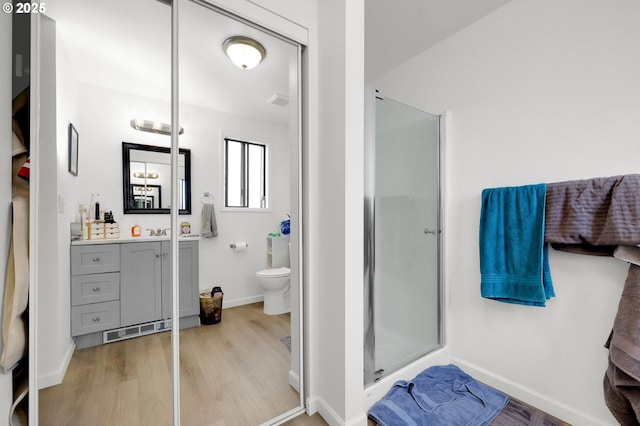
(402, 235)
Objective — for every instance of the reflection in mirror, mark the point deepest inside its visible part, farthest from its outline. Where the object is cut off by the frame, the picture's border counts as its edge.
(146, 196)
(146, 179)
(247, 368)
(250, 361)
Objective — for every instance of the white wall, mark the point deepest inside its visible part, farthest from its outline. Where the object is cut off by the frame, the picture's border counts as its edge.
(328, 297)
(338, 296)
(539, 91)
(6, 392)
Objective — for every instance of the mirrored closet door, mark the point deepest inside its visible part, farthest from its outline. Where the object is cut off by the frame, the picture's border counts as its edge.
(240, 119)
(105, 64)
(102, 344)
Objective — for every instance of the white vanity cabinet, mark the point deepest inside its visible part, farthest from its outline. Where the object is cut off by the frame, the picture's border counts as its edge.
(127, 286)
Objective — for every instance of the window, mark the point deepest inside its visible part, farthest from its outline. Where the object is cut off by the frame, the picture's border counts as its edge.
(245, 168)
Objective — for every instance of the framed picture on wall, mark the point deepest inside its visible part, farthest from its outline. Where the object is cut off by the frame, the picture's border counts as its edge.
(73, 150)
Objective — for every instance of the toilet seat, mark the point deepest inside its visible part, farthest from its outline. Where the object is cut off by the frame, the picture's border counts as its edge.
(274, 273)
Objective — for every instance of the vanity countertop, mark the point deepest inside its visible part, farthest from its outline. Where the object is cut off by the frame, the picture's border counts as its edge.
(192, 237)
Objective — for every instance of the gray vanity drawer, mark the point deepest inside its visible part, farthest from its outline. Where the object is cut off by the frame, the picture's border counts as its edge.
(95, 317)
(95, 288)
(95, 259)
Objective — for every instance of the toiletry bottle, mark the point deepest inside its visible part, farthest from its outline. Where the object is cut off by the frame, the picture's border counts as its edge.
(136, 230)
(84, 218)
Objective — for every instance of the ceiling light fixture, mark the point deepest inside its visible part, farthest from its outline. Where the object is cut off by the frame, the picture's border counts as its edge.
(153, 127)
(244, 52)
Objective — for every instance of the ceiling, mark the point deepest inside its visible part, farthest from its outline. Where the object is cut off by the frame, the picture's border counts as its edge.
(396, 31)
(125, 45)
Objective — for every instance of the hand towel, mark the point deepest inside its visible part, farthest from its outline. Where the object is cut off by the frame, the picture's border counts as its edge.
(209, 223)
(440, 395)
(514, 264)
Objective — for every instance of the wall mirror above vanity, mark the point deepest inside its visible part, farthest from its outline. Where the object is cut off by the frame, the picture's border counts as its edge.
(146, 179)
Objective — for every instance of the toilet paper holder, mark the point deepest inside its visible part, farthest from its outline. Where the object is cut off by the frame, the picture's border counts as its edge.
(233, 245)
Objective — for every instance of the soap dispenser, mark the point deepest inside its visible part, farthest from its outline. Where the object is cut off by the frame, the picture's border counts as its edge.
(136, 230)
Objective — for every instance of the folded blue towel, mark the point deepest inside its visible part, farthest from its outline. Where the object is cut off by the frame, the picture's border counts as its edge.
(440, 395)
(514, 262)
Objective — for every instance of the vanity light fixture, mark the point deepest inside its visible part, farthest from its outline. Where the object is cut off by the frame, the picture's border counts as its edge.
(142, 188)
(153, 127)
(145, 175)
(244, 52)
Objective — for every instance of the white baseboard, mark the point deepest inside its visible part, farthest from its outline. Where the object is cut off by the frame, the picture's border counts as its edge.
(326, 412)
(294, 380)
(529, 396)
(320, 406)
(361, 420)
(56, 377)
(241, 301)
(311, 405)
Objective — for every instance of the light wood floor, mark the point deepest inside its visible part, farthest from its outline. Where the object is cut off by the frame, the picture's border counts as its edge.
(232, 373)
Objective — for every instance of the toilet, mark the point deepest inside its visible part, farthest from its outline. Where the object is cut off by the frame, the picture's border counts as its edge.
(276, 286)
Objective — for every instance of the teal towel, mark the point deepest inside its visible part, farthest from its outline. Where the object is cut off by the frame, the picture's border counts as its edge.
(514, 265)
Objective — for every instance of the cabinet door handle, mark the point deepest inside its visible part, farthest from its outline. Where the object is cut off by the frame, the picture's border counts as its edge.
(165, 254)
(96, 319)
(158, 255)
(95, 289)
(96, 259)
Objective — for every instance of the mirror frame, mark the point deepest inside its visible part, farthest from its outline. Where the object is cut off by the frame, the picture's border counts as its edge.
(127, 193)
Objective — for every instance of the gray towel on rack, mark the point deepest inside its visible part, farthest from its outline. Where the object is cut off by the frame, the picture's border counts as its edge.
(209, 223)
(593, 216)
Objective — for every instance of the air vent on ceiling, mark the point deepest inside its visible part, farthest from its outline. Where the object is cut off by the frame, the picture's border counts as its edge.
(278, 99)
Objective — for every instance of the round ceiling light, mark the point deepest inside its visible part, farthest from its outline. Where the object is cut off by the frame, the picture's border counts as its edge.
(245, 52)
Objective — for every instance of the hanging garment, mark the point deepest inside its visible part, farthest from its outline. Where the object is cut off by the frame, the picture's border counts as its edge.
(16, 291)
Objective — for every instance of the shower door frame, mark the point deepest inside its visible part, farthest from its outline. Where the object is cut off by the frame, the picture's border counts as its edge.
(370, 374)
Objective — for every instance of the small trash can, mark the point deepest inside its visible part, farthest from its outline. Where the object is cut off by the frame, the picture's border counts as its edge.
(211, 306)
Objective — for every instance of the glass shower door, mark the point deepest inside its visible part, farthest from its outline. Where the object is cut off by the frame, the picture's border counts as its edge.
(402, 203)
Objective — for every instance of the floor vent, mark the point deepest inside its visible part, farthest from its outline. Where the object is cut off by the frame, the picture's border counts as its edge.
(135, 331)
